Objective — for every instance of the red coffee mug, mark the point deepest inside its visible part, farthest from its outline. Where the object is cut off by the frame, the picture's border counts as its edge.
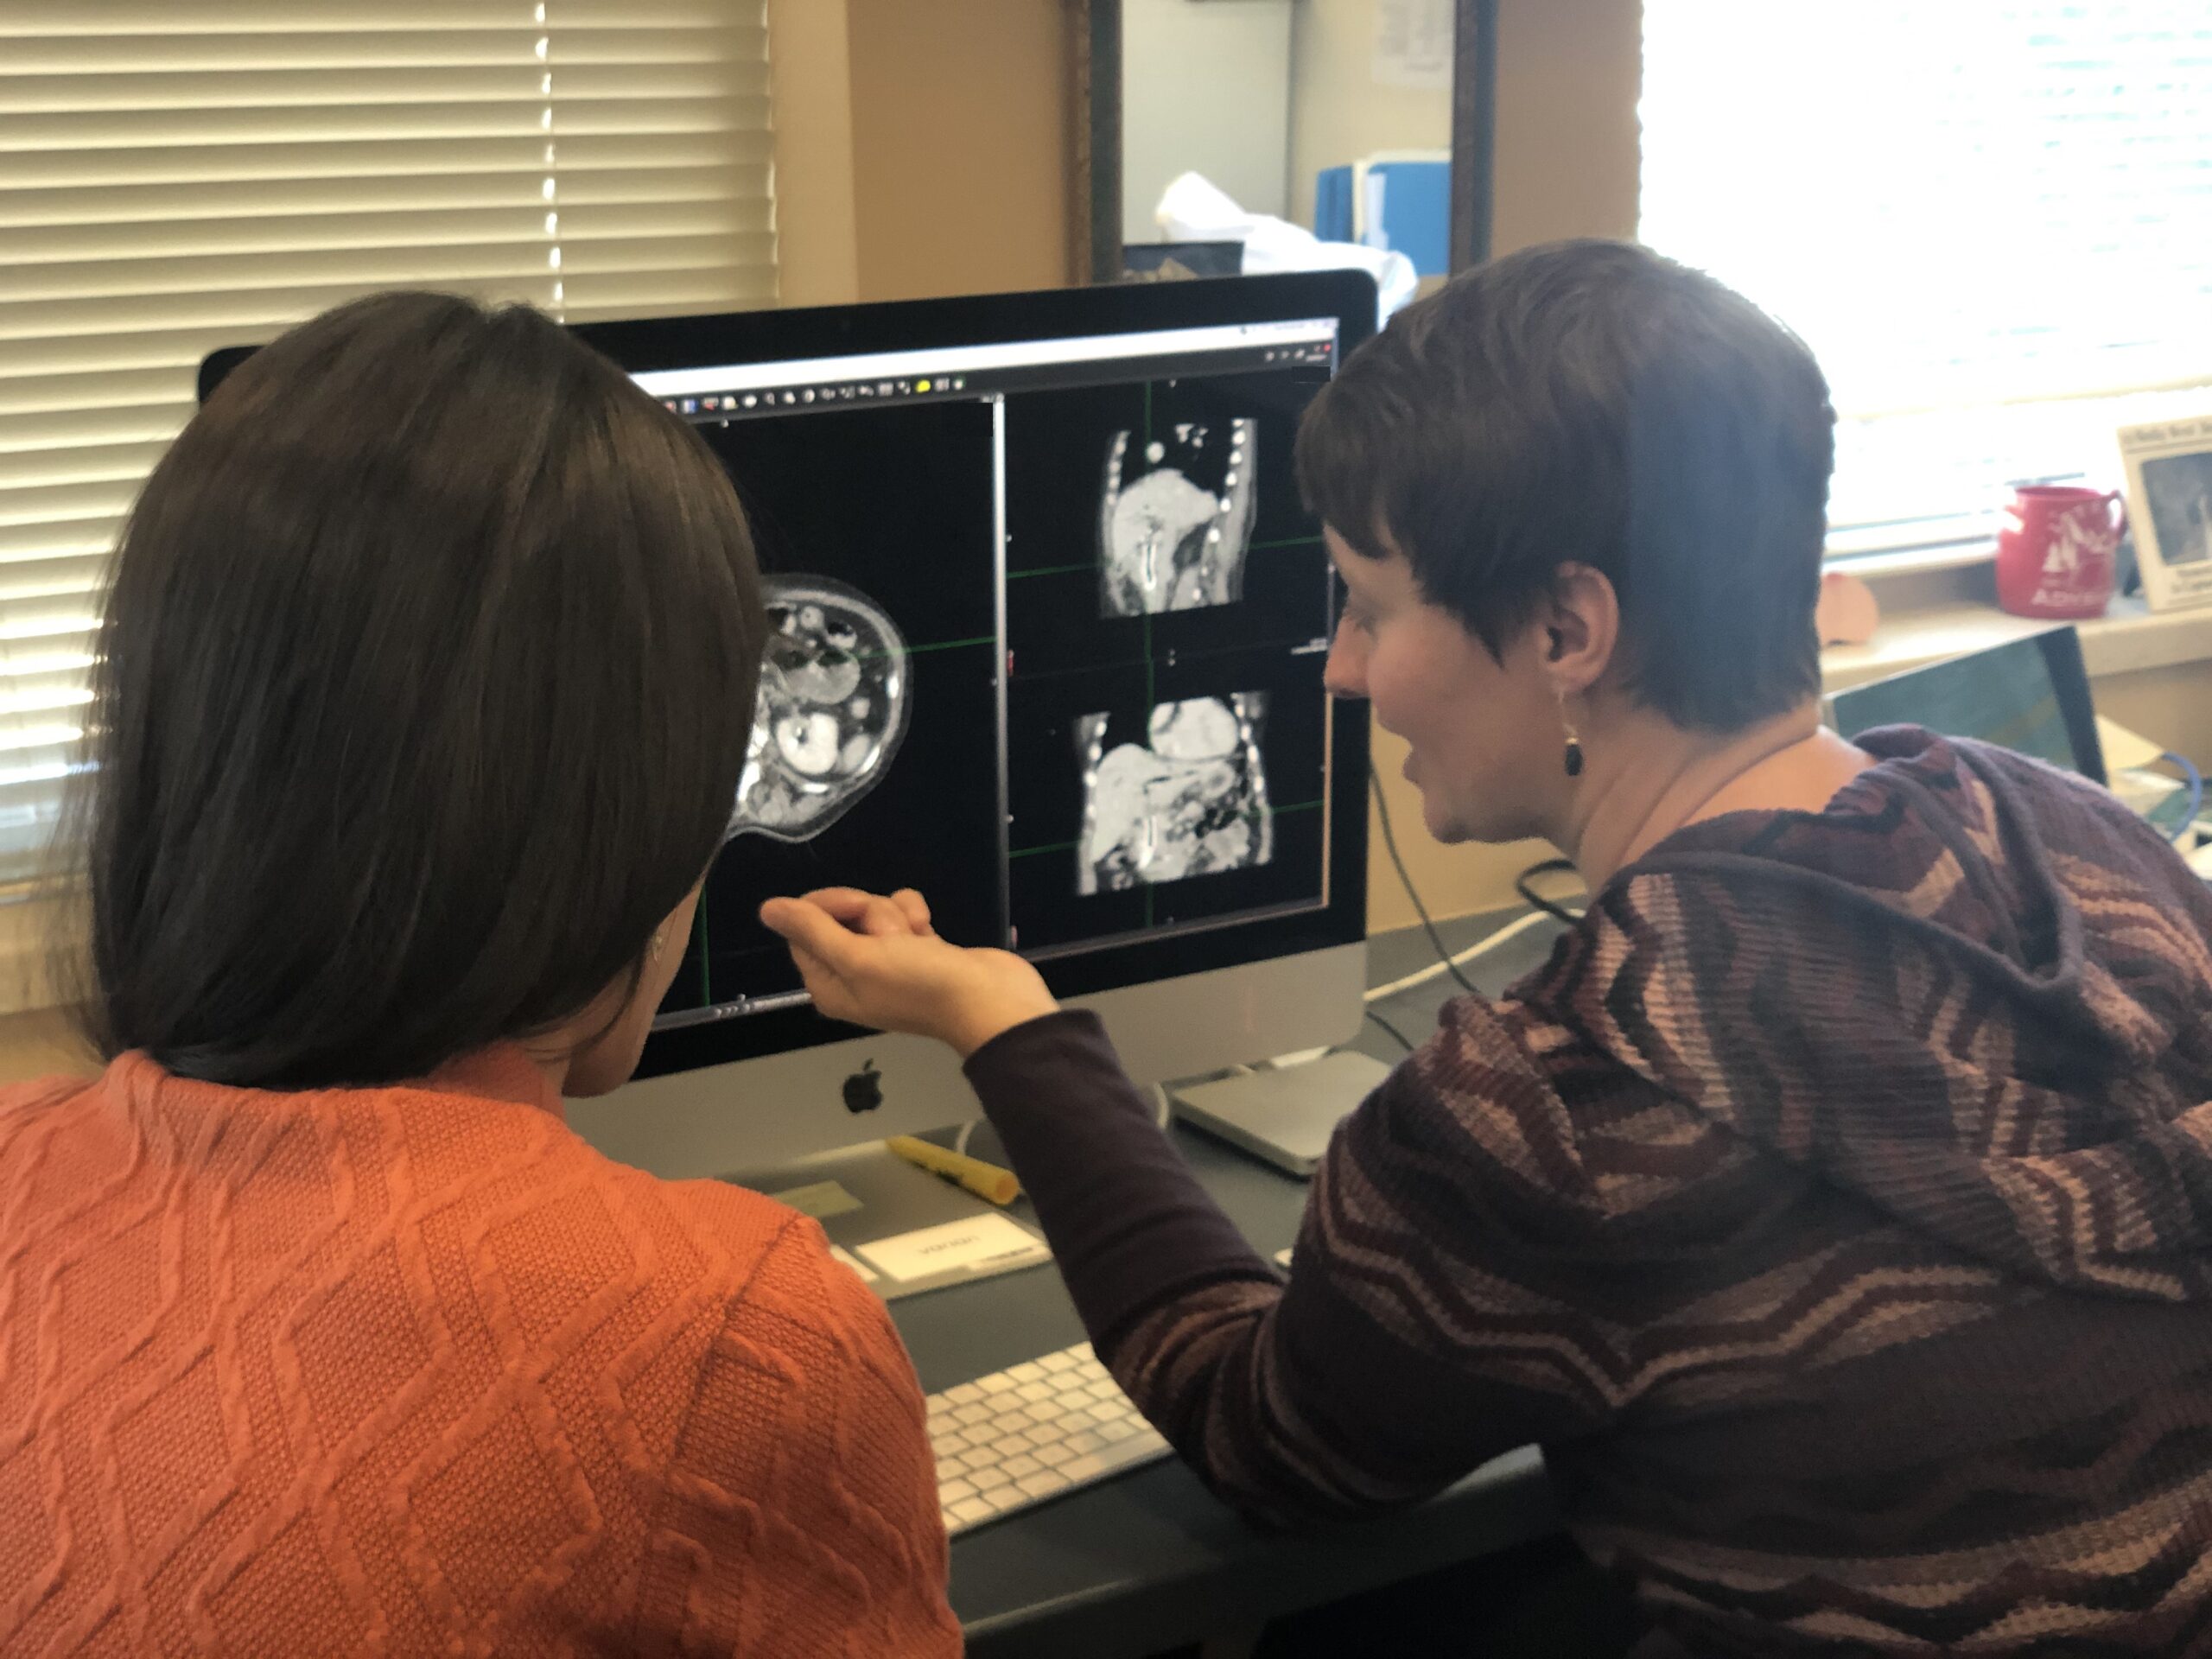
(2054, 551)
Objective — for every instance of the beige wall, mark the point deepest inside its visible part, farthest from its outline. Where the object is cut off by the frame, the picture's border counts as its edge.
(1337, 113)
(963, 145)
(811, 94)
(921, 149)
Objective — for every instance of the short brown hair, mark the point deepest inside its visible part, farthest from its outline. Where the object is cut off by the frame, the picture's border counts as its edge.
(421, 694)
(1590, 401)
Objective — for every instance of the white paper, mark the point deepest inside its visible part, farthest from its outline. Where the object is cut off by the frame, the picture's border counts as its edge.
(868, 1275)
(978, 1242)
(1412, 44)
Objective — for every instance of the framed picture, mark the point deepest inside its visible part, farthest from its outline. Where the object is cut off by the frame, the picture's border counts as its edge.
(2170, 506)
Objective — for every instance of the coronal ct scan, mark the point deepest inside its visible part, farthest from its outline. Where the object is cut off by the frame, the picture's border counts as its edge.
(832, 709)
(1175, 515)
(1191, 801)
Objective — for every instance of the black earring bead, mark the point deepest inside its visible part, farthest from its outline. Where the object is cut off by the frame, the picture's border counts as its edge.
(1574, 757)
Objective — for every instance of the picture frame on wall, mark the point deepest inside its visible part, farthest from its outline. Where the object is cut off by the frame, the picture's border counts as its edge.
(2168, 466)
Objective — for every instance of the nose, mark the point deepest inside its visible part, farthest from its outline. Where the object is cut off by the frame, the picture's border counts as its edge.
(1345, 675)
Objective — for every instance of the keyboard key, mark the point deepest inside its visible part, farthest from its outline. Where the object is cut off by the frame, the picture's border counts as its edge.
(1035, 1391)
(1052, 1456)
(974, 1412)
(1000, 1382)
(971, 1510)
(1059, 1362)
(1042, 1484)
(1020, 1466)
(990, 1475)
(952, 1491)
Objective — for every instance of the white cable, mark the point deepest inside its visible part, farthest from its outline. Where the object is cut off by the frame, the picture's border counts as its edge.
(1512, 929)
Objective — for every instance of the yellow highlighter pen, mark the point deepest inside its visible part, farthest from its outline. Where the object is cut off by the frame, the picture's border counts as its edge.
(987, 1181)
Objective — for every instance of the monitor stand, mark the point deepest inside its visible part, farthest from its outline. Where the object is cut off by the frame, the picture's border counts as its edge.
(901, 1229)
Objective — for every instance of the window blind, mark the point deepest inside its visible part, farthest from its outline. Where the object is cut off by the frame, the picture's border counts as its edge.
(1992, 219)
(180, 175)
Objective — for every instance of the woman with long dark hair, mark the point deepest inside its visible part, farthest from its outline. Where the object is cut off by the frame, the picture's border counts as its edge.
(422, 691)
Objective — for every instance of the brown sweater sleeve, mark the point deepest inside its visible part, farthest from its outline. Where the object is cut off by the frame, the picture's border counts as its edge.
(1349, 1389)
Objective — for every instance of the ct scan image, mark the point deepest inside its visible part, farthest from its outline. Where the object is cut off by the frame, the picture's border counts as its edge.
(872, 758)
(832, 709)
(1158, 519)
(1190, 800)
(1160, 795)
(1175, 512)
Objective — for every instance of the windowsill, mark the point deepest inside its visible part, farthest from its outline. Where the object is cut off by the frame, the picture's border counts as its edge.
(26, 928)
(2128, 637)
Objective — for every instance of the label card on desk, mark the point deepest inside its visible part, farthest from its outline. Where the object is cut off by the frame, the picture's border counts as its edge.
(867, 1276)
(976, 1241)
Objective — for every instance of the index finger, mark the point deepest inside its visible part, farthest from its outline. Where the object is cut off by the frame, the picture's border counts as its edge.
(809, 927)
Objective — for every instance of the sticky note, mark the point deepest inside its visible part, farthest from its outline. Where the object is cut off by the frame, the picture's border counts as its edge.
(822, 1200)
(978, 1241)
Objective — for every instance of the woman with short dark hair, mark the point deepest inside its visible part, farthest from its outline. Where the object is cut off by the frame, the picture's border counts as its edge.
(1831, 1205)
(422, 691)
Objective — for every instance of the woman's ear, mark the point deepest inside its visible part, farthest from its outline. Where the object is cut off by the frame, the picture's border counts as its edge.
(1579, 625)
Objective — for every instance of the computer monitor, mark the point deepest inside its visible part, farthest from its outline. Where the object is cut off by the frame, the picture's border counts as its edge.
(1048, 623)
(2031, 695)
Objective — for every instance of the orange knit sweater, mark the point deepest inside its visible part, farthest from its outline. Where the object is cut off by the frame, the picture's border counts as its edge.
(415, 1370)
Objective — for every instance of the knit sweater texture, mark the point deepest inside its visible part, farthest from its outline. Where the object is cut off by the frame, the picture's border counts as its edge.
(415, 1370)
(1834, 1208)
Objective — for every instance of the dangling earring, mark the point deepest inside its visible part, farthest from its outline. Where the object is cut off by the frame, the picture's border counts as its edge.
(652, 950)
(1574, 745)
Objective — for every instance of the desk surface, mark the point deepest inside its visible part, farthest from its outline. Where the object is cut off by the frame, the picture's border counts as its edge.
(1152, 1559)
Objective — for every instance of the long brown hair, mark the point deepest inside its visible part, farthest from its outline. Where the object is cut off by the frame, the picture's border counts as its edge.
(421, 694)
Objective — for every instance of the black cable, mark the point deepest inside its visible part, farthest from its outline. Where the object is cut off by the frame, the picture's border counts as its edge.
(1395, 1033)
(1548, 867)
(1391, 841)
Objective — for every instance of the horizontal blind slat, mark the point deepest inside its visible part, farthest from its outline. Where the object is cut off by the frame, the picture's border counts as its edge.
(521, 78)
(710, 40)
(395, 155)
(121, 249)
(518, 119)
(700, 181)
(37, 19)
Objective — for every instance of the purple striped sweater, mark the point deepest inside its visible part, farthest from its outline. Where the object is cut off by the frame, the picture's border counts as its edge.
(1832, 1207)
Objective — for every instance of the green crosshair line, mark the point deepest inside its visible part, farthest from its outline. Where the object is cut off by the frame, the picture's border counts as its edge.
(935, 644)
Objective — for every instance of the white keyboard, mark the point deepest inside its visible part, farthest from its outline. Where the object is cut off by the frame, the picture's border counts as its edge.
(1025, 1435)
